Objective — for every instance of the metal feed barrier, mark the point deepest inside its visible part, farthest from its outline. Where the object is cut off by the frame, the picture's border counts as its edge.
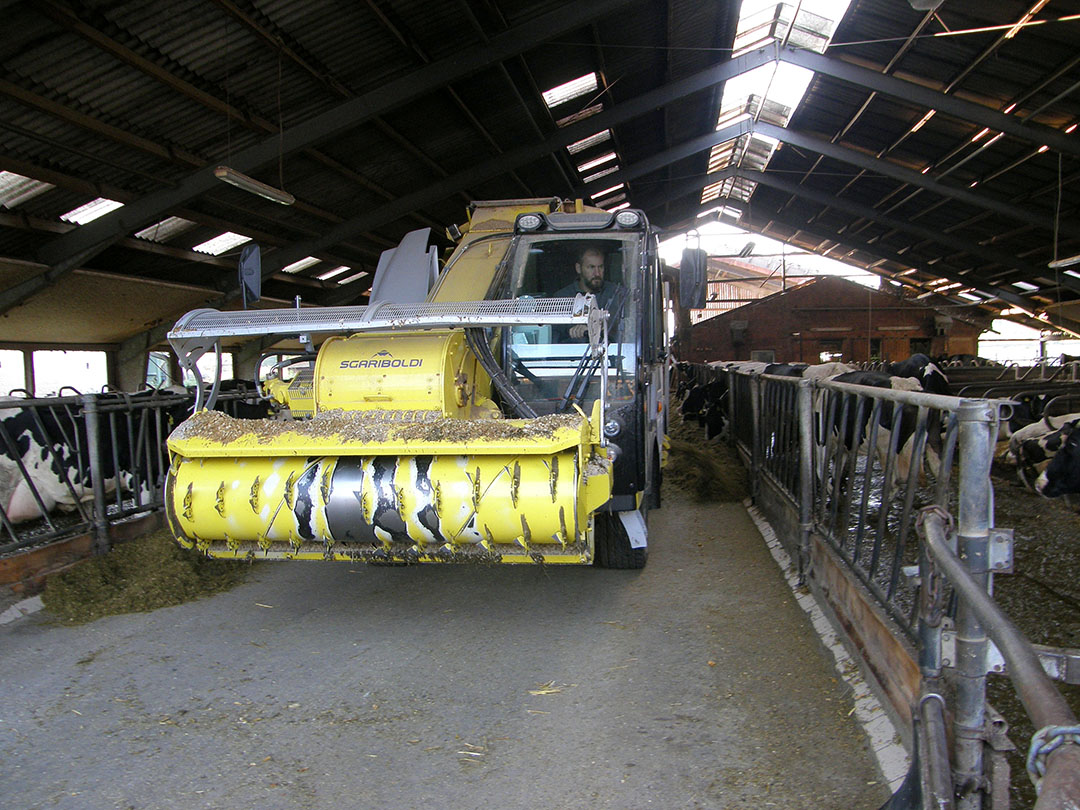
(899, 541)
(95, 434)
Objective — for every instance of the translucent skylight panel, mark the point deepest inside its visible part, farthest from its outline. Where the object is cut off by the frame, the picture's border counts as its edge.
(221, 243)
(721, 155)
(16, 189)
(592, 164)
(570, 90)
(579, 116)
(761, 21)
(586, 143)
(607, 191)
(619, 207)
(165, 230)
(779, 82)
(352, 278)
(604, 173)
(91, 211)
(336, 271)
(773, 91)
(1025, 286)
(742, 189)
(712, 191)
(297, 266)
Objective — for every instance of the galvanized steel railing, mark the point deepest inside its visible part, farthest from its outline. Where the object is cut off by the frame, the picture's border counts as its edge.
(826, 458)
(111, 449)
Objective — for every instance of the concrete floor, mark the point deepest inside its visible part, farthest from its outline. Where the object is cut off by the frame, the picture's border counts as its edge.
(696, 683)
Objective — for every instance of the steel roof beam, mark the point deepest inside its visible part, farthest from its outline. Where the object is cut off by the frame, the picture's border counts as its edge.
(856, 209)
(841, 153)
(295, 54)
(626, 111)
(932, 99)
(676, 153)
(938, 270)
(910, 176)
(523, 155)
(254, 122)
(89, 239)
(512, 85)
(991, 257)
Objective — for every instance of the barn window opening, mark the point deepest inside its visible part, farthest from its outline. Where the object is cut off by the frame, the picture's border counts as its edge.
(832, 351)
(158, 373)
(286, 372)
(12, 370)
(85, 371)
(207, 365)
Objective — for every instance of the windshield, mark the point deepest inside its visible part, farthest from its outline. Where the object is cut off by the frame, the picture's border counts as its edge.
(549, 365)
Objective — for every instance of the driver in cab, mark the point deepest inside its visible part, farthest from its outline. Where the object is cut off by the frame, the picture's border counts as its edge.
(589, 268)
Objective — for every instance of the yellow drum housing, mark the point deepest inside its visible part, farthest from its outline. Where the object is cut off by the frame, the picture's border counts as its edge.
(403, 460)
(349, 486)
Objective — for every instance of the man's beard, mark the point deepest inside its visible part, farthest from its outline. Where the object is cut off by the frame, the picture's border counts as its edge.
(595, 284)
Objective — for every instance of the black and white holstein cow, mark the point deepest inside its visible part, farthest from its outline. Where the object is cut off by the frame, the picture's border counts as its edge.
(707, 403)
(1062, 474)
(854, 428)
(44, 449)
(1033, 447)
(44, 458)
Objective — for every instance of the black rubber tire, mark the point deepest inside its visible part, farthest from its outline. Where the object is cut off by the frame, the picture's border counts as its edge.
(612, 545)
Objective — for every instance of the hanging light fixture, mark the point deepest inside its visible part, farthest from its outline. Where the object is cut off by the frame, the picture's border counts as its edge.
(253, 186)
(1069, 262)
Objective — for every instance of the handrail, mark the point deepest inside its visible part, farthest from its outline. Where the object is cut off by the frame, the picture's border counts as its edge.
(1060, 787)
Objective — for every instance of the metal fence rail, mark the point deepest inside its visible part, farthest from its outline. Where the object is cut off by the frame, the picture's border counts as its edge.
(73, 465)
(862, 471)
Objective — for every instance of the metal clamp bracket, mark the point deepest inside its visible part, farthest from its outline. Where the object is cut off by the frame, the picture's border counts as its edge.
(993, 662)
(1001, 551)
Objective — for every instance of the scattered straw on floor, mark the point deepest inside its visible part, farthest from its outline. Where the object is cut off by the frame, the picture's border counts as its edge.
(706, 470)
(137, 576)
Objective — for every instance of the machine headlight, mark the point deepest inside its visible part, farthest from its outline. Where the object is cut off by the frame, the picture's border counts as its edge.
(529, 222)
(628, 219)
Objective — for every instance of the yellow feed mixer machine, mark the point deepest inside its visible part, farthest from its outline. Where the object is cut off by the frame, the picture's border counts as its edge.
(509, 408)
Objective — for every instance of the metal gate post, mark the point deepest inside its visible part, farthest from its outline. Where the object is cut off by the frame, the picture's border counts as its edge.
(804, 405)
(732, 410)
(973, 541)
(755, 432)
(93, 451)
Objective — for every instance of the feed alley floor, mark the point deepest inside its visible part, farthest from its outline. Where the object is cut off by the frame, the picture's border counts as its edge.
(695, 683)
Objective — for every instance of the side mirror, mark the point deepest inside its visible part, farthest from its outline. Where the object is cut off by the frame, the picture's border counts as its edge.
(250, 272)
(692, 278)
